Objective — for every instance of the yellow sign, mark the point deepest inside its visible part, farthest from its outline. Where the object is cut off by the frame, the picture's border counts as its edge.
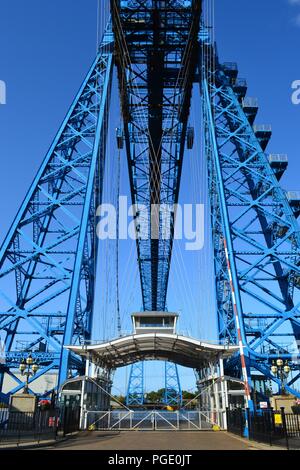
(278, 419)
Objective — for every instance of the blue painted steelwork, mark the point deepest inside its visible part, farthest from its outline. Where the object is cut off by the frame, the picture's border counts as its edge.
(156, 55)
(173, 392)
(48, 259)
(135, 391)
(254, 219)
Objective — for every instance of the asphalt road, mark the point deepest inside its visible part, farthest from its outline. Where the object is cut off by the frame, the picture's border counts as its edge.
(138, 440)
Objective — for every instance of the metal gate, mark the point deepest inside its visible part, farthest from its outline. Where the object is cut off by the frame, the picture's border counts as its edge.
(70, 419)
(152, 420)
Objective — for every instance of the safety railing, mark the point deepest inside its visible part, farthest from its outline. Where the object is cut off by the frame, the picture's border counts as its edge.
(272, 427)
(18, 428)
(249, 102)
(278, 158)
(262, 128)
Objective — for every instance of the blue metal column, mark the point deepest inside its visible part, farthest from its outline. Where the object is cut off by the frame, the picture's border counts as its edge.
(173, 392)
(135, 391)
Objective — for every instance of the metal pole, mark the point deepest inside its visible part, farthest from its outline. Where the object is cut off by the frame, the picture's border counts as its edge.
(82, 406)
(270, 424)
(217, 401)
(211, 395)
(248, 417)
(284, 427)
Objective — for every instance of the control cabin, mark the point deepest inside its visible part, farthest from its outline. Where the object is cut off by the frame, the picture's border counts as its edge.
(154, 322)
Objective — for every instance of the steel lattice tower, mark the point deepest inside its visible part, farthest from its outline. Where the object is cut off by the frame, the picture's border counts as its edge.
(48, 259)
(173, 392)
(135, 392)
(256, 234)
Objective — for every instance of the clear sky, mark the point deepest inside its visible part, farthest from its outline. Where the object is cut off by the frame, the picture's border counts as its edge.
(46, 48)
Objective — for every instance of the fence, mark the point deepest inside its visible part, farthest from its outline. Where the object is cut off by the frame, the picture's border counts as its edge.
(267, 426)
(23, 428)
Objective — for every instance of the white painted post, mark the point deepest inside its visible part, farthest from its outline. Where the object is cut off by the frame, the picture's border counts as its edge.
(83, 417)
(87, 367)
(211, 395)
(82, 405)
(224, 392)
(217, 399)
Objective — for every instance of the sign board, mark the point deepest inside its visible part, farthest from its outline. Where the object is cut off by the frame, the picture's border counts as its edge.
(263, 405)
(23, 403)
(278, 418)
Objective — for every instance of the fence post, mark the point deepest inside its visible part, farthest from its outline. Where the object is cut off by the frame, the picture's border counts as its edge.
(271, 421)
(65, 417)
(38, 416)
(284, 427)
(242, 422)
(248, 419)
(56, 423)
(270, 424)
(19, 430)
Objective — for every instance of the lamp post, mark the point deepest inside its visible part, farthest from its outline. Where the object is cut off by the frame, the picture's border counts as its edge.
(281, 370)
(28, 368)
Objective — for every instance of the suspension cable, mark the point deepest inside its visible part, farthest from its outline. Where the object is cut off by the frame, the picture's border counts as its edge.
(119, 326)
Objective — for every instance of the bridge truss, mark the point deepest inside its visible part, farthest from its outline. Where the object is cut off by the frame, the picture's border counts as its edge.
(156, 47)
(256, 234)
(48, 260)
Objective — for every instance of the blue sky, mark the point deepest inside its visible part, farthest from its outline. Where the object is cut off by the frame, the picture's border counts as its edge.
(45, 51)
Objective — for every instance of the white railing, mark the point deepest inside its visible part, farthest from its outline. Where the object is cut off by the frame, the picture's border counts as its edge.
(262, 128)
(279, 157)
(250, 102)
(293, 195)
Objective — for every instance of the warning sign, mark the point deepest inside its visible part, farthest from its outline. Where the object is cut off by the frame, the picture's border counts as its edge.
(278, 419)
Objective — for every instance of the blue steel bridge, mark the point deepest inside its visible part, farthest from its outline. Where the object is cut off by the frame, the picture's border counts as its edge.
(160, 51)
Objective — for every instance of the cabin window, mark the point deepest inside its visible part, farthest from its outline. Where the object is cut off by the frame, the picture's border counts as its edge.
(154, 322)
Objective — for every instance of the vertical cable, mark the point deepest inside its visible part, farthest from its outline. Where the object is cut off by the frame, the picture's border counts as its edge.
(119, 327)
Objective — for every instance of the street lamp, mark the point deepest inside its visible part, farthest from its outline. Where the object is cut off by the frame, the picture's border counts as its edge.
(281, 370)
(28, 368)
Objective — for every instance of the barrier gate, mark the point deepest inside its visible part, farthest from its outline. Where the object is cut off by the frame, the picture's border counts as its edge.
(152, 420)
